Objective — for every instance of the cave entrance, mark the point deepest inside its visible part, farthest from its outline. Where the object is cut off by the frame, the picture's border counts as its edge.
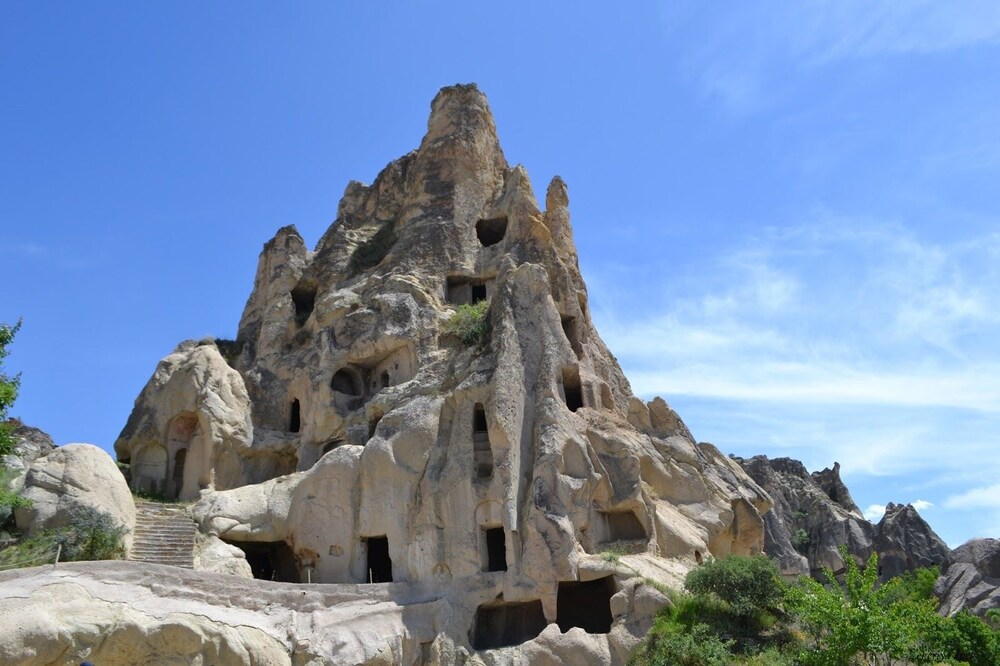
(572, 390)
(481, 450)
(178, 475)
(623, 526)
(294, 416)
(490, 232)
(270, 560)
(304, 299)
(378, 563)
(585, 605)
(572, 332)
(330, 446)
(500, 624)
(495, 549)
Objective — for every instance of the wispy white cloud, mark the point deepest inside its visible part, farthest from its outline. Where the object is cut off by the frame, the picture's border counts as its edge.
(874, 512)
(734, 55)
(986, 497)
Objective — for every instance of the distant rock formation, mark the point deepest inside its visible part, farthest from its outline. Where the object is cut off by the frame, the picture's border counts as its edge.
(905, 542)
(350, 435)
(971, 580)
(30, 443)
(814, 515)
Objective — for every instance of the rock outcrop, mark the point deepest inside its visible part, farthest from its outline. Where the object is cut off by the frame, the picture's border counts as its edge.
(353, 434)
(905, 542)
(813, 516)
(71, 478)
(971, 580)
(29, 443)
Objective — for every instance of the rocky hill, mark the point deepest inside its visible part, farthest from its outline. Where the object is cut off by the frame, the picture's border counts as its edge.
(420, 410)
(814, 515)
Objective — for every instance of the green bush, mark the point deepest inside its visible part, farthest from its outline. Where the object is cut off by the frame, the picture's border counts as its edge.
(371, 252)
(92, 535)
(671, 644)
(749, 585)
(471, 323)
(801, 540)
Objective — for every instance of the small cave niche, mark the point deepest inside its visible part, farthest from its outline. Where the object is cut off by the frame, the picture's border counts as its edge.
(360, 378)
(304, 300)
(294, 416)
(491, 231)
(572, 389)
(500, 624)
(270, 560)
(466, 290)
(571, 329)
(348, 381)
(493, 548)
(586, 605)
(697, 556)
(178, 474)
(481, 450)
(622, 526)
(378, 564)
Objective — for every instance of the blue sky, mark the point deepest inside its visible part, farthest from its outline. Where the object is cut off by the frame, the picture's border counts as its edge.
(787, 213)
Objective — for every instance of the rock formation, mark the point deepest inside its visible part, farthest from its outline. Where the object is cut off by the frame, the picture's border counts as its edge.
(351, 435)
(905, 542)
(814, 515)
(69, 478)
(29, 443)
(971, 580)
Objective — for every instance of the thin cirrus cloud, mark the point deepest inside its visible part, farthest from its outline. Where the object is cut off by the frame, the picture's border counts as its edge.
(738, 55)
(869, 315)
(856, 341)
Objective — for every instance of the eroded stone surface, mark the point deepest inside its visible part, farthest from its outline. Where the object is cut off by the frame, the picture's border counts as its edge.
(350, 438)
(69, 478)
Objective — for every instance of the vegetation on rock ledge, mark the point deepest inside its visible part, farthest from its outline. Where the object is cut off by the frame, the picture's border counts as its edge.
(738, 611)
(470, 323)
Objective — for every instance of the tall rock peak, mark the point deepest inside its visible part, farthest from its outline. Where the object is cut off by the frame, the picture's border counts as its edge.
(368, 426)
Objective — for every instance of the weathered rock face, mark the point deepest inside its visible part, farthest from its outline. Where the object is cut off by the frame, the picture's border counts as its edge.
(971, 580)
(814, 515)
(191, 427)
(29, 443)
(499, 471)
(69, 478)
(906, 542)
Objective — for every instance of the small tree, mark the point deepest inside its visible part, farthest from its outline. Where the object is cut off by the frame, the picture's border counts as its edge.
(8, 388)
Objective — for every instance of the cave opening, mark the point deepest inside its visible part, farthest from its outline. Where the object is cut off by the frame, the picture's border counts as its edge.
(378, 563)
(304, 299)
(481, 450)
(623, 526)
(294, 416)
(572, 390)
(502, 624)
(496, 549)
(492, 231)
(586, 605)
(572, 332)
(270, 560)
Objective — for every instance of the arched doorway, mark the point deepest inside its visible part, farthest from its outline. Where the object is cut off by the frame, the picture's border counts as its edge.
(182, 434)
(149, 469)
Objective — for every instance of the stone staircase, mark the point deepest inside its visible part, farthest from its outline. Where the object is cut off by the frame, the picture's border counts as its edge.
(164, 534)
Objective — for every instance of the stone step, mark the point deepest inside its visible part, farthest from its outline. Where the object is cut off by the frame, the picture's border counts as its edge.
(164, 534)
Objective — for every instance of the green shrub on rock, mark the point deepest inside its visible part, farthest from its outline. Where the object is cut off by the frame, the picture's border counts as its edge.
(470, 323)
